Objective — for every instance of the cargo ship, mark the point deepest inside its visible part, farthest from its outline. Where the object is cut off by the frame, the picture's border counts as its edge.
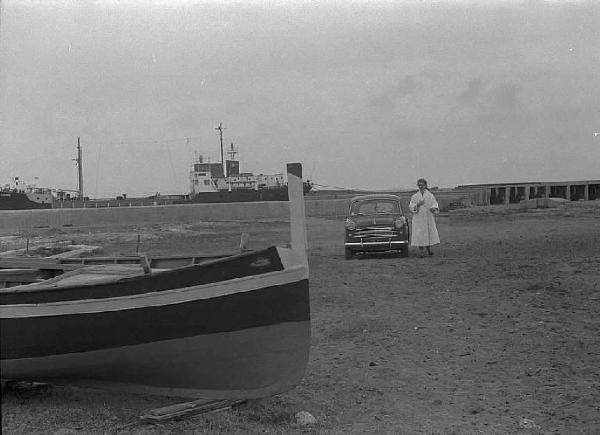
(209, 183)
(214, 182)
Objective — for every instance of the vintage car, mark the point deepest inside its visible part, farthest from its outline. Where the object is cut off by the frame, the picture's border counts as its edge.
(376, 223)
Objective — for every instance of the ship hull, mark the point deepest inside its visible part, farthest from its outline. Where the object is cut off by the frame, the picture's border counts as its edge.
(275, 194)
(270, 194)
(19, 201)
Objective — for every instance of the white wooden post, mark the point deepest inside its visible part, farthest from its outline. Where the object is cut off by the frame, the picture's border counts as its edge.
(297, 211)
(145, 263)
(244, 238)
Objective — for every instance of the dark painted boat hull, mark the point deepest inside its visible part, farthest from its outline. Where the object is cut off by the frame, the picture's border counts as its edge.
(236, 327)
(249, 363)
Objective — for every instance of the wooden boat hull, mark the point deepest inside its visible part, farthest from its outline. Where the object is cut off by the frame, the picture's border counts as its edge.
(251, 363)
(233, 328)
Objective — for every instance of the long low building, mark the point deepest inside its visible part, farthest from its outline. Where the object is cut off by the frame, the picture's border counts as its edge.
(510, 193)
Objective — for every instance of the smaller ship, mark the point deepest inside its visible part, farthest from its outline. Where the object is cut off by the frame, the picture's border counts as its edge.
(17, 195)
(214, 182)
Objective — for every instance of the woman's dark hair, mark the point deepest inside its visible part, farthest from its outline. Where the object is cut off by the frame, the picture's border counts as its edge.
(422, 181)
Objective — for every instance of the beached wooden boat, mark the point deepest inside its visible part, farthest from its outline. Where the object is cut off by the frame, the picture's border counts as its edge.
(231, 327)
(27, 270)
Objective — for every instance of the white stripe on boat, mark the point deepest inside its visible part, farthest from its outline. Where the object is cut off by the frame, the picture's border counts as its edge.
(157, 298)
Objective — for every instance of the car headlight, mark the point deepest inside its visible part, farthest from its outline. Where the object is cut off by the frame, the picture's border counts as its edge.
(350, 225)
(400, 222)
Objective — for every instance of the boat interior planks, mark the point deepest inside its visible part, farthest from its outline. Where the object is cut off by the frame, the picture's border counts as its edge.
(104, 273)
(208, 327)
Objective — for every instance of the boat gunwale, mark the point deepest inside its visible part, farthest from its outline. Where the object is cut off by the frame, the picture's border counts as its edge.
(40, 286)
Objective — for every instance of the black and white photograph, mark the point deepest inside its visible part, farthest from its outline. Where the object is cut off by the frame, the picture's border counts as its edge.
(300, 217)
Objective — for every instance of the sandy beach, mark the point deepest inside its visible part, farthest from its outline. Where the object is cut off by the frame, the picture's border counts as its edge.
(495, 333)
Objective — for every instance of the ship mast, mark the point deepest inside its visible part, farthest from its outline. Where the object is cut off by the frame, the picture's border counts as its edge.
(79, 170)
(221, 128)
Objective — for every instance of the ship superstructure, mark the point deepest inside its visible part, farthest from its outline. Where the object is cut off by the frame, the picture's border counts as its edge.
(208, 177)
(223, 182)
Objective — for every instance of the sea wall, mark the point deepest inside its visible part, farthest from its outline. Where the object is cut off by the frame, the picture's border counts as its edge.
(23, 220)
(26, 220)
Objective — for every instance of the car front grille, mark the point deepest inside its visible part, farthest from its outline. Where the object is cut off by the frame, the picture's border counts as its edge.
(375, 232)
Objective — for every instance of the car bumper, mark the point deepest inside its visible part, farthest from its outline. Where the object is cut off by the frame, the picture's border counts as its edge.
(376, 246)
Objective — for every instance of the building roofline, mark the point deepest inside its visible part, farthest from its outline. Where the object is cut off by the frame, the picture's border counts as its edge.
(532, 183)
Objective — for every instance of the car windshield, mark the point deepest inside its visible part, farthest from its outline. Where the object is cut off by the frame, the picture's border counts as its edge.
(375, 206)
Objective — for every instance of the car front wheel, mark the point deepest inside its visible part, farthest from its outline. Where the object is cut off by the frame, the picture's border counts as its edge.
(348, 253)
(404, 251)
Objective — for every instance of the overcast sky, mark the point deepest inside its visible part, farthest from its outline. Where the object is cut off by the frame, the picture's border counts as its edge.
(365, 94)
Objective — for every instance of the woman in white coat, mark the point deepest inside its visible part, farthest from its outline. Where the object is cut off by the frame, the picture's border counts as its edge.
(423, 206)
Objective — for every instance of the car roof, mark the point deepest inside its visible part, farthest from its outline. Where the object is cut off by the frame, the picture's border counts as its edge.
(373, 196)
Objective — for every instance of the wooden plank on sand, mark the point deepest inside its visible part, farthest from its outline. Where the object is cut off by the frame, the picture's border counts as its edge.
(185, 409)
